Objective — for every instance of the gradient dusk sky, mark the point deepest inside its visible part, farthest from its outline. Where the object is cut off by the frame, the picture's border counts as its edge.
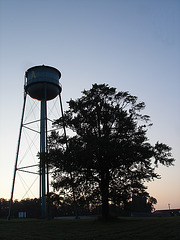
(133, 45)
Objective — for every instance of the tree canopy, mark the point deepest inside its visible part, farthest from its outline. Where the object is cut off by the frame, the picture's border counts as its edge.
(107, 156)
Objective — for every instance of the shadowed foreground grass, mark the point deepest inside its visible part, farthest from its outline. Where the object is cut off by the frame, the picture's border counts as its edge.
(123, 228)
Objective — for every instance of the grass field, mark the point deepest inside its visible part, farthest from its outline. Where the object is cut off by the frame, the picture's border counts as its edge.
(92, 229)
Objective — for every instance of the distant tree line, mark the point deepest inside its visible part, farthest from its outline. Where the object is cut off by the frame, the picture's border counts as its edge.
(57, 207)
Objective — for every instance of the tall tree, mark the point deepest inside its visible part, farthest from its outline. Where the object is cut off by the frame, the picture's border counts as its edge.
(108, 156)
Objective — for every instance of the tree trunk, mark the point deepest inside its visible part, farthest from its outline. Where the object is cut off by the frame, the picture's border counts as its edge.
(105, 194)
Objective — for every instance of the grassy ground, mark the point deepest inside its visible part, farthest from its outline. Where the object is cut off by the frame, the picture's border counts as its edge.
(123, 228)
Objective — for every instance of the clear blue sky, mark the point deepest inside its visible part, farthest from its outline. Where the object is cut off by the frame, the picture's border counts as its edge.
(132, 45)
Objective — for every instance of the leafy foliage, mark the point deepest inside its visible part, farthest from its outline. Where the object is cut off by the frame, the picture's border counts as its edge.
(108, 157)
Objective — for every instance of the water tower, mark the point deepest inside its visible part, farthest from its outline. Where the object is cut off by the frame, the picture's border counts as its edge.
(42, 84)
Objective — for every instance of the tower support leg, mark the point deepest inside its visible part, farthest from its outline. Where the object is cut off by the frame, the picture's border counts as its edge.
(43, 140)
(17, 155)
(65, 135)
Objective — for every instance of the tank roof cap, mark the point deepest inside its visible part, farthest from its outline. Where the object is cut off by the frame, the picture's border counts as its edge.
(44, 66)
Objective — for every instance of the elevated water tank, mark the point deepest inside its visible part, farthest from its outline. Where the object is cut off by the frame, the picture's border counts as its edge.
(42, 82)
